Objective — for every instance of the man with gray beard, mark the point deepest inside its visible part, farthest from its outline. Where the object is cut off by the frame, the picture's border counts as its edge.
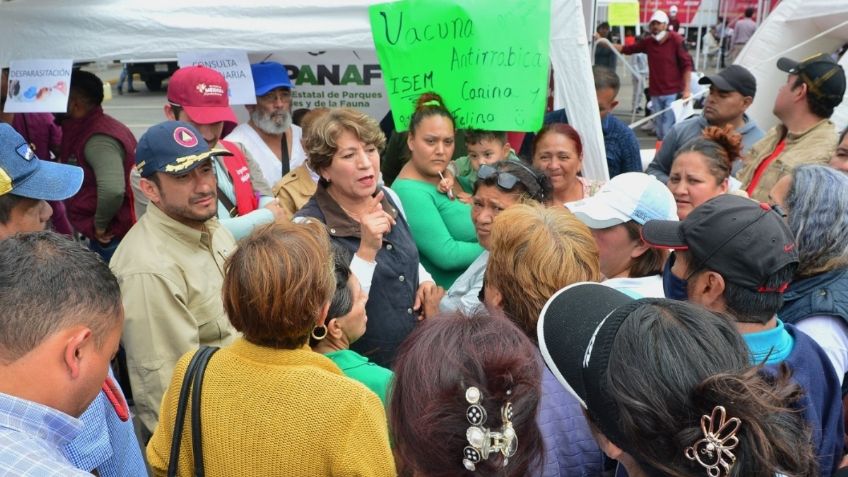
(269, 136)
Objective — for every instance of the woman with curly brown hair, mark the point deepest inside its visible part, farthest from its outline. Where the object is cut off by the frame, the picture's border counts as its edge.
(701, 169)
(363, 217)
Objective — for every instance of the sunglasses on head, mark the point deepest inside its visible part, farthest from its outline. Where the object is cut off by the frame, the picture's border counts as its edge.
(507, 180)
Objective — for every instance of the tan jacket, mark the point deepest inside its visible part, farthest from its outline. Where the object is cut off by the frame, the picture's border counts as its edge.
(295, 189)
(813, 146)
(171, 277)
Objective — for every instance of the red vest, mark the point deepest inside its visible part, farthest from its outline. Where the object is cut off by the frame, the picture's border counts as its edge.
(82, 206)
(236, 165)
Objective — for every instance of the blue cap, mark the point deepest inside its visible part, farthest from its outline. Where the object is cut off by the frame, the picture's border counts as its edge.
(172, 147)
(268, 76)
(25, 175)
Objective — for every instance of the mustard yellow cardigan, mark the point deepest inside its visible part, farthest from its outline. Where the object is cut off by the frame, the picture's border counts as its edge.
(268, 412)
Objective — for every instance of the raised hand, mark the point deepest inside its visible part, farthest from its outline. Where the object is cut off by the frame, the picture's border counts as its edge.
(373, 224)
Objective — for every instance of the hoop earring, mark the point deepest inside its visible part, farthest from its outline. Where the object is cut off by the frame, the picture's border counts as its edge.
(323, 333)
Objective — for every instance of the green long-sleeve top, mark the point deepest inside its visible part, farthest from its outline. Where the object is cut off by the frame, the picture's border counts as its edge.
(442, 229)
(106, 156)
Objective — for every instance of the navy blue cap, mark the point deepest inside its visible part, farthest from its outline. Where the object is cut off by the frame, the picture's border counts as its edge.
(25, 175)
(268, 76)
(172, 147)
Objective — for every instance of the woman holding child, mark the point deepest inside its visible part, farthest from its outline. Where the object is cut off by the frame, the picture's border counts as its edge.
(440, 224)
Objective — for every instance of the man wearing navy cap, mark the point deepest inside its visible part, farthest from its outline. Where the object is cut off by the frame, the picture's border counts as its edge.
(171, 262)
(732, 92)
(200, 96)
(269, 136)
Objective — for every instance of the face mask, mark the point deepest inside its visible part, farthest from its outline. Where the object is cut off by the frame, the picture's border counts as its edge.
(659, 36)
(673, 287)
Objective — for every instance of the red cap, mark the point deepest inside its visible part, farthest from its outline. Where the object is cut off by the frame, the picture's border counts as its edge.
(203, 93)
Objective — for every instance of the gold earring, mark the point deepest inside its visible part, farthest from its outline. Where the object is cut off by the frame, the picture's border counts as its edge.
(323, 333)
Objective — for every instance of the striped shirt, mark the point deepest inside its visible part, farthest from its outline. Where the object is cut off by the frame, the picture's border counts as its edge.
(32, 437)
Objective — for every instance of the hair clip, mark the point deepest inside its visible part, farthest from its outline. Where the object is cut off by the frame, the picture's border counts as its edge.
(714, 450)
(483, 442)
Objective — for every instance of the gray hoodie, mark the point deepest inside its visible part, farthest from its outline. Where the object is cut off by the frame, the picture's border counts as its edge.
(685, 131)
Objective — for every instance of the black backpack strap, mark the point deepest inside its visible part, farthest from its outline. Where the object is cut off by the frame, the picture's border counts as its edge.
(232, 210)
(285, 159)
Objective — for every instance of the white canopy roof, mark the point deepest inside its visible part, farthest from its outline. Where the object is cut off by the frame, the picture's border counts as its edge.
(86, 30)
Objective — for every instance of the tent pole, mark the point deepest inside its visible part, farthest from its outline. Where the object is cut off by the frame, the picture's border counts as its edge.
(698, 45)
(721, 44)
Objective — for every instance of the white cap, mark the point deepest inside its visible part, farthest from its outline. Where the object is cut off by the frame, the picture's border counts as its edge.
(659, 16)
(630, 196)
(673, 9)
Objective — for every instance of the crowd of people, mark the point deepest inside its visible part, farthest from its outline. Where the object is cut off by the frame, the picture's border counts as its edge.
(275, 302)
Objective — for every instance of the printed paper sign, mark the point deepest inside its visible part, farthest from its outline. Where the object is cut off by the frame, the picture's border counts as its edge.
(488, 61)
(624, 14)
(38, 86)
(334, 79)
(232, 64)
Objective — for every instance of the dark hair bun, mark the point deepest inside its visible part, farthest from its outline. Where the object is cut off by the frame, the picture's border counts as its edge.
(727, 138)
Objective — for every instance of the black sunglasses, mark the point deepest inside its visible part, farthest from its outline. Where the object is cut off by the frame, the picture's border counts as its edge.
(507, 180)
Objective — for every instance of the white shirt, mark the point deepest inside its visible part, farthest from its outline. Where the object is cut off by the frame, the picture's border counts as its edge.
(645, 287)
(831, 333)
(272, 169)
(464, 294)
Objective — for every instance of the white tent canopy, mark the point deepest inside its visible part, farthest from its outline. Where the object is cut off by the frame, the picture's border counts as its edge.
(86, 30)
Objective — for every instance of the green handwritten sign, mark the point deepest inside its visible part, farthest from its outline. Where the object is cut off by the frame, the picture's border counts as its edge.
(488, 60)
(624, 14)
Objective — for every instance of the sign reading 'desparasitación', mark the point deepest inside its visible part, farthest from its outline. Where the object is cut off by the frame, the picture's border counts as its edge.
(487, 59)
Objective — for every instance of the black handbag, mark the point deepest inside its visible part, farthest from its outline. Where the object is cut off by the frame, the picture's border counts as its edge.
(192, 383)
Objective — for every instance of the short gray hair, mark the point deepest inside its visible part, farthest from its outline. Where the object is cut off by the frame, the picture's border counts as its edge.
(817, 204)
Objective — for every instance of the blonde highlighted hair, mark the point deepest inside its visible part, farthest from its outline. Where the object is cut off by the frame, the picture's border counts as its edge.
(535, 251)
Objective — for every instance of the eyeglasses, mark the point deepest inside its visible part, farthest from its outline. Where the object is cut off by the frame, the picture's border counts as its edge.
(507, 180)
